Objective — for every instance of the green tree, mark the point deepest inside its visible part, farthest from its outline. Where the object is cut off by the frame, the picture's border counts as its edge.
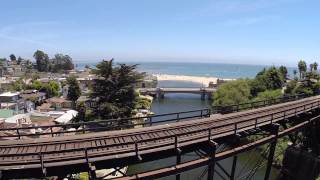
(3, 61)
(35, 76)
(13, 57)
(302, 66)
(290, 88)
(19, 85)
(54, 86)
(284, 71)
(81, 108)
(315, 66)
(51, 88)
(303, 89)
(74, 91)
(143, 102)
(37, 85)
(307, 87)
(42, 60)
(267, 79)
(311, 67)
(113, 90)
(268, 95)
(61, 62)
(273, 78)
(311, 75)
(233, 92)
(19, 60)
(257, 85)
(29, 66)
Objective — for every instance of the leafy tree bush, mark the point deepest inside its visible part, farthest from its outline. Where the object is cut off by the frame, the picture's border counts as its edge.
(143, 103)
(267, 79)
(257, 85)
(306, 87)
(273, 79)
(81, 108)
(315, 66)
(61, 62)
(19, 85)
(302, 66)
(74, 91)
(13, 57)
(42, 60)
(284, 72)
(290, 88)
(232, 92)
(51, 89)
(268, 95)
(37, 85)
(311, 75)
(113, 90)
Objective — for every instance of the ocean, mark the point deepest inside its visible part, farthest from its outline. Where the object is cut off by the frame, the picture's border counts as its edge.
(229, 71)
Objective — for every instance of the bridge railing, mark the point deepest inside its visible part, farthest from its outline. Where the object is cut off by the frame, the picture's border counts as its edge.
(174, 139)
(256, 104)
(104, 125)
(114, 124)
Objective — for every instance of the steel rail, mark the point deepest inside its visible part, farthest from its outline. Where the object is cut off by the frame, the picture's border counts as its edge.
(111, 124)
(178, 117)
(204, 122)
(146, 145)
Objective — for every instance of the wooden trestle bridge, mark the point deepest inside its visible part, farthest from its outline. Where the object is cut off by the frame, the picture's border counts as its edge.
(62, 155)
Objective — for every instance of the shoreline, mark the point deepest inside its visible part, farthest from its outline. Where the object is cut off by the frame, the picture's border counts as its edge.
(196, 79)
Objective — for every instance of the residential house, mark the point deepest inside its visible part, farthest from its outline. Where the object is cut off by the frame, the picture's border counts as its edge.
(33, 98)
(10, 100)
(34, 95)
(59, 103)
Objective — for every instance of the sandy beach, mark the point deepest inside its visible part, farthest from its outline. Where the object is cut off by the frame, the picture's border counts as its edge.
(197, 79)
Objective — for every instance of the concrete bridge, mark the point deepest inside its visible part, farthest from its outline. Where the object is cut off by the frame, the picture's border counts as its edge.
(70, 154)
(160, 92)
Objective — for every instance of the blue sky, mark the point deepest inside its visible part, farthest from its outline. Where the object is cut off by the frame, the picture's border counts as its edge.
(228, 31)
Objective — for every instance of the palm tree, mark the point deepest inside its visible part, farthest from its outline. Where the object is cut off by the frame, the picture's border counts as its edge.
(311, 67)
(302, 68)
(315, 66)
(284, 71)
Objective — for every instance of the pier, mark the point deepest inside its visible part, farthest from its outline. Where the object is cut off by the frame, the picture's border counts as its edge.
(160, 92)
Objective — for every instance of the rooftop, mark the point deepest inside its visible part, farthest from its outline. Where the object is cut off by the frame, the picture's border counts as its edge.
(57, 100)
(9, 94)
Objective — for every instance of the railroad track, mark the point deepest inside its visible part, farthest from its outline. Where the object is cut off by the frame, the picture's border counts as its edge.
(102, 146)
